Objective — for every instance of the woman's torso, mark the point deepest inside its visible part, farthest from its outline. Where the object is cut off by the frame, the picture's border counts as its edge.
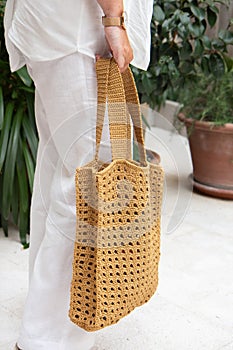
(45, 30)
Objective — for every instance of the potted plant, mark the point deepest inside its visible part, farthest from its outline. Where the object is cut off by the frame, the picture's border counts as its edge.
(184, 58)
(18, 143)
(208, 116)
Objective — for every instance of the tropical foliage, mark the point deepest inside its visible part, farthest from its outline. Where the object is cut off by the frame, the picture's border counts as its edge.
(18, 143)
(181, 48)
(209, 99)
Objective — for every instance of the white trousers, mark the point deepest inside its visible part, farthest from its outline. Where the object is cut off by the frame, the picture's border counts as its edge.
(65, 115)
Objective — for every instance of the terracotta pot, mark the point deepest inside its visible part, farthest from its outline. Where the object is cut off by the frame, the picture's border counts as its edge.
(212, 155)
(152, 156)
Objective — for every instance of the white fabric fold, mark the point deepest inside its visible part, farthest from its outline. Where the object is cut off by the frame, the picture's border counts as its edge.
(47, 30)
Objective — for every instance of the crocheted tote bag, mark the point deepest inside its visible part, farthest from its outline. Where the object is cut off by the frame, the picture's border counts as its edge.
(118, 209)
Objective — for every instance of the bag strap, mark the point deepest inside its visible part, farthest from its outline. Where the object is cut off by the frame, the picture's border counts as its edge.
(118, 89)
(116, 102)
(102, 73)
(119, 121)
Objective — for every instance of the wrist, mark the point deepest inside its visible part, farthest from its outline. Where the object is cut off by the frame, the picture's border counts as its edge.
(114, 21)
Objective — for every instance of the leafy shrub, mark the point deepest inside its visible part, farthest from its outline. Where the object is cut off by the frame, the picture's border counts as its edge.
(209, 99)
(180, 48)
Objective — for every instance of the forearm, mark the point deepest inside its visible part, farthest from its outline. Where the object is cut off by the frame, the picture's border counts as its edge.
(111, 8)
(116, 36)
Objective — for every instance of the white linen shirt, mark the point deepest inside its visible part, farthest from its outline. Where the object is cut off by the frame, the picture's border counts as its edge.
(44, 30)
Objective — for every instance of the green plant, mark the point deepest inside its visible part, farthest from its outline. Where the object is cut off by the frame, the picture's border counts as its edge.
(18, 142)
(180, 48)
(208, 98)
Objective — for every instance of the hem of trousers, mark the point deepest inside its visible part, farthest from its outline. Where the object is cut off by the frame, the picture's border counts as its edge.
(33, 344)
(29, 344)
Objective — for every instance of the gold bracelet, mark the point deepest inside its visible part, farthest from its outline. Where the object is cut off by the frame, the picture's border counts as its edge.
(114, 21)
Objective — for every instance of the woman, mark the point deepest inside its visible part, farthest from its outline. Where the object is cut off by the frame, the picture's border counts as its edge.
(59, 42)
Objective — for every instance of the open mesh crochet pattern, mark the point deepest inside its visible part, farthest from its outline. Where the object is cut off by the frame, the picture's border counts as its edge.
(117, 247)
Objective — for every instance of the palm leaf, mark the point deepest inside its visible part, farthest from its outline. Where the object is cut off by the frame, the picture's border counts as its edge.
(29, 165)
(24, 76)
(23, 227)
(23, 195)
(30, 98)
(1, 108)
(15, 202)
(4, 224)
(22, 179)
(4, 138)
(31, 137)
(9, 169)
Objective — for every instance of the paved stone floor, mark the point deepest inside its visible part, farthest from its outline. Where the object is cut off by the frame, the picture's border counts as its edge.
(193, 306)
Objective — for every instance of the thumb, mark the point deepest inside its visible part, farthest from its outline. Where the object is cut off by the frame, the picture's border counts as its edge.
(97, 57)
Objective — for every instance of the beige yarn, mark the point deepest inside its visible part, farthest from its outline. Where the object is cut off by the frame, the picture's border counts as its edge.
(118, 208)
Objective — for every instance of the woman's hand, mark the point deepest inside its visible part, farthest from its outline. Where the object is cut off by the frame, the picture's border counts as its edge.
(119, 45)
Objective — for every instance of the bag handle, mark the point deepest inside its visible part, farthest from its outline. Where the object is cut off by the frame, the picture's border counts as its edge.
(112, 89)
(118, 89)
